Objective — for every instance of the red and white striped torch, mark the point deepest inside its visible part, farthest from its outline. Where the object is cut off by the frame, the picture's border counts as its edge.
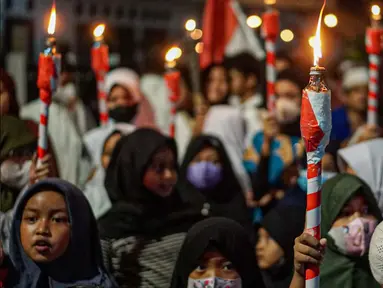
(270, 30)
(49, 68)
(373, 48)
(315, 129)
(100, 66)
(172, 79)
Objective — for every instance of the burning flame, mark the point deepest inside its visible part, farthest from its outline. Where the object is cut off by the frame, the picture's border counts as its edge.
(375, 11)
(99, 30)
(173, 54)
(317, 41)
(52, 20)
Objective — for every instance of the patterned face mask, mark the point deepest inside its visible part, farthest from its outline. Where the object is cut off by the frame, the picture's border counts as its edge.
(214, 282)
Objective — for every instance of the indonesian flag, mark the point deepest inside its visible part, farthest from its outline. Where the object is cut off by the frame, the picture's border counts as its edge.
(225, 33)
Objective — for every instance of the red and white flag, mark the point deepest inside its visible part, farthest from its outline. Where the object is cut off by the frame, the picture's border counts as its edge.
(226, 33)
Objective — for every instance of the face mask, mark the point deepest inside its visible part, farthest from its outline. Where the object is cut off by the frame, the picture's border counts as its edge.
(15, 175)
(214, 282)
(286, 111)
(204, 175)
(354, 238)
(123, 114)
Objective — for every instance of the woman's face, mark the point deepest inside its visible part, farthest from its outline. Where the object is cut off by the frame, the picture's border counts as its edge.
(161, 175)
(217, 86)
(214, 264)
(267, 250)
(4, 100)
(108, 149)
(120, 97)
(355, 208)
(45, 228)
(208, 154)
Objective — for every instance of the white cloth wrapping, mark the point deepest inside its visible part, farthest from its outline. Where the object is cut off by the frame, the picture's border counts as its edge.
(228, 124)
(72, 161)
(366, 159)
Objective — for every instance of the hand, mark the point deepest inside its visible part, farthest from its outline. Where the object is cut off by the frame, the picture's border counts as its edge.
(250, 202)
(270, 126)
(201, 112)
(41, 172)
(369, 132)
(307, 250)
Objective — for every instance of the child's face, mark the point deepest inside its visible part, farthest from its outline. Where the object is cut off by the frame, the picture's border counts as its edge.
(208, 154)
(45, 228)
(267, 250)
(356, 207)
(214, 264)
(217, 87)
(161, 175)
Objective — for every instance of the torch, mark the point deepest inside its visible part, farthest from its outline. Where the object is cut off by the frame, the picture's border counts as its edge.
(270, 29)
(315, 129)
(48, 71)
(373, 49)
(172, 79)
(100, 65)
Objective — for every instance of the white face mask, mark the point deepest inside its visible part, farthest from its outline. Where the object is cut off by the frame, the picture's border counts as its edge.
(15, 175)
(214, 282)
(286, 111)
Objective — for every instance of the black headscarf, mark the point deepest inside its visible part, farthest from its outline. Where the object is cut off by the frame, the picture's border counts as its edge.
(284, 224)
(81, 264)
(230, 239)
(226, 199)
(135, 209)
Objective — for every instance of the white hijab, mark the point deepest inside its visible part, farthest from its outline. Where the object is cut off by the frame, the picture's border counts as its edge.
(227, 123)
(95, 190)
(366, 159)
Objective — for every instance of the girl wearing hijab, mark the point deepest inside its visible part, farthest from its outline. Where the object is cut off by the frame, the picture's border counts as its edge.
(227, 123)
(275, 244)
(54, 240)
(349, 217)
(95, 190)
(208, 182)
(126, 107)
(143, 231)
(366, 161)
(217, 252)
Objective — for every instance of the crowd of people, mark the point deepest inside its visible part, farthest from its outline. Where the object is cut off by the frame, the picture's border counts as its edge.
(221, 204)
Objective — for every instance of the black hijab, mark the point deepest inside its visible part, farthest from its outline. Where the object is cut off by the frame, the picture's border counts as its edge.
(230, 239)
(224, 200)
(81, 264)
(135, 209)
(284, 224)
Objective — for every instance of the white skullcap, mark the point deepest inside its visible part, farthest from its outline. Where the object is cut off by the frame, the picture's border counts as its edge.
(126, 78)
(355, 77)
(376, 254)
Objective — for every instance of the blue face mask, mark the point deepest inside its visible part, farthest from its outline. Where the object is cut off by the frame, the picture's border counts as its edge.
(204, 175)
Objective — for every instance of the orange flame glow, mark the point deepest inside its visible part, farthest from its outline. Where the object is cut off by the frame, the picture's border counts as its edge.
(173, 54)
(52, 20)
(99, 30)
(318, 42)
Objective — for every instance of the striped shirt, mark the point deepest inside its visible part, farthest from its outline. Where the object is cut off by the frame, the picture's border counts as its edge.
(139, 262)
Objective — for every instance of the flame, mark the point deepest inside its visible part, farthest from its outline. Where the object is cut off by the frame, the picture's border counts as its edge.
(99, 30)
(52, 20)
(318, 42)
(173, 54)
(375, 11)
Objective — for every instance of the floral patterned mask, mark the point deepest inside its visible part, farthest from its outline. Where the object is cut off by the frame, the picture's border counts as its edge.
(214, 282)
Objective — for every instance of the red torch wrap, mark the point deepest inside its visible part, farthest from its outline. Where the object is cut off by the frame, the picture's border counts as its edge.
(315, 129)
(373, 49)
(270, 30)
(46, 82)
(100, 65)
(172, 79)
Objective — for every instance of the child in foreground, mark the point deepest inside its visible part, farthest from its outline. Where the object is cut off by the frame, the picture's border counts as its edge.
(54, 240)
(349, 217)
